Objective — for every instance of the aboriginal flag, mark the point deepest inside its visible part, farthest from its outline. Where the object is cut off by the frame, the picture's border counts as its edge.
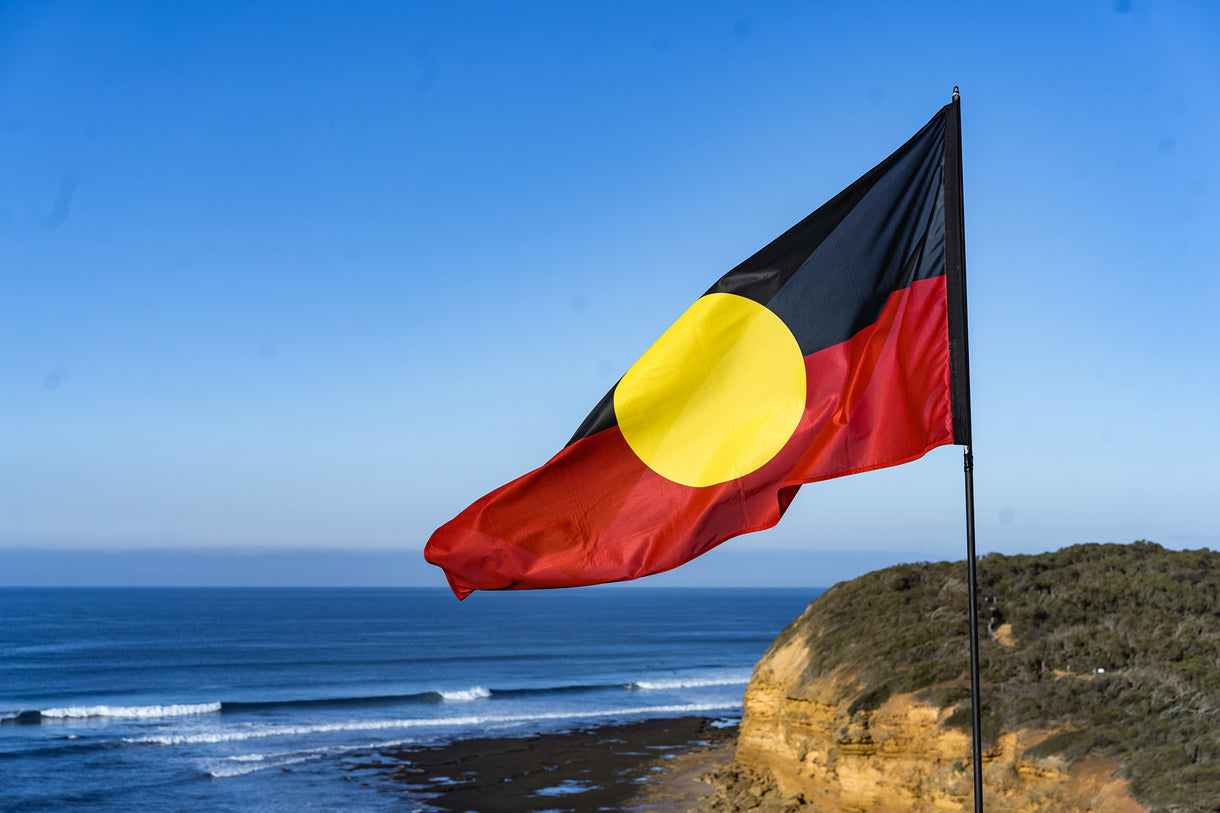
(838, 348)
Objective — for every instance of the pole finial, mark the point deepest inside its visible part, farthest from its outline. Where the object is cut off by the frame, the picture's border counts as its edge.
(956, 95)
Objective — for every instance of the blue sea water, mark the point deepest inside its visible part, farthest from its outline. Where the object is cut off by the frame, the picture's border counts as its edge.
(268, 699)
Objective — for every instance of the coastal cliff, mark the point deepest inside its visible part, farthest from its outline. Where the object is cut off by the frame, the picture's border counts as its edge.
(1101, 690)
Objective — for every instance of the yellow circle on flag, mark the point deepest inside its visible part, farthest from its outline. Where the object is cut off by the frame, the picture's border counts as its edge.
(717, 396)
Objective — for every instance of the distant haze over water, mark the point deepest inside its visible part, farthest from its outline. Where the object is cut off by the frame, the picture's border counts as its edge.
(729, 565)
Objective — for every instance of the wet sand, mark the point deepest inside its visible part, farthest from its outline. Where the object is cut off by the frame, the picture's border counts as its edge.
(650, 766)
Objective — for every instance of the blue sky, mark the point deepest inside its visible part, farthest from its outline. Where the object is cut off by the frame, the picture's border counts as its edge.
(292, 275)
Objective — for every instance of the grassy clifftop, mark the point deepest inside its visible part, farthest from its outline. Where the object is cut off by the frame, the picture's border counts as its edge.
(1115, 646)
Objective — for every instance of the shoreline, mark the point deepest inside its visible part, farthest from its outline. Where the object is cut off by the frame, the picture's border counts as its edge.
(649, 766)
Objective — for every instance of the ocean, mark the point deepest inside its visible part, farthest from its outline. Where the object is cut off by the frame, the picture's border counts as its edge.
(242, 699)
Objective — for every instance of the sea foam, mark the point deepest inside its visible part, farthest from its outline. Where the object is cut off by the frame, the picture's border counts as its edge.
(255, 763)
(129, 712)
(476, 693)
(688, 683)
(251, 733)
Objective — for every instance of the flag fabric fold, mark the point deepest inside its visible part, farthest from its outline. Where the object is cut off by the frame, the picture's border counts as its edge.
(837, 348)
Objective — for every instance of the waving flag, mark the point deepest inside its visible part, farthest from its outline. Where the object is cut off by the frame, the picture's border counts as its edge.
(837, 348)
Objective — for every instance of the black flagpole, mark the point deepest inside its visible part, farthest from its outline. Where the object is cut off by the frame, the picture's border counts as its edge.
(976, 713)
(955, 256)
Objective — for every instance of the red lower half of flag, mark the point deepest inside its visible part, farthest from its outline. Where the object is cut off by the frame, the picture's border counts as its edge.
(596, 513)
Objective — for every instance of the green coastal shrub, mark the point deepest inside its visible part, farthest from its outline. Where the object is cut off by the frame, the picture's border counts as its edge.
(991, 721)
(1118, 646)
(872, 699)
(1072, 745)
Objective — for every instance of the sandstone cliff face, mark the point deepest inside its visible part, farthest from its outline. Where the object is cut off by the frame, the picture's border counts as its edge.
(802, 749)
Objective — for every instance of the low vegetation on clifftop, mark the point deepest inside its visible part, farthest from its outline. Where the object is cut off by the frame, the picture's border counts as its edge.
(1114, 647)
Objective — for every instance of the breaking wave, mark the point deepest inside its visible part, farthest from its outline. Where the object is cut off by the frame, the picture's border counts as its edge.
(688, 683)
(118, 712)
(263, 732)
(477, 693)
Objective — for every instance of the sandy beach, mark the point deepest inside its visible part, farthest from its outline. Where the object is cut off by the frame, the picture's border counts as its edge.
(652, 765)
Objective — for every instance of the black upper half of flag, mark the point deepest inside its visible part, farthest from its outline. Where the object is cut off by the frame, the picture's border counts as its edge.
(829, 276)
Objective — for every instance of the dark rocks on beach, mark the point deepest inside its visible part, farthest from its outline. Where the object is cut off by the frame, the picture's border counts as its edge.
(588, 769)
